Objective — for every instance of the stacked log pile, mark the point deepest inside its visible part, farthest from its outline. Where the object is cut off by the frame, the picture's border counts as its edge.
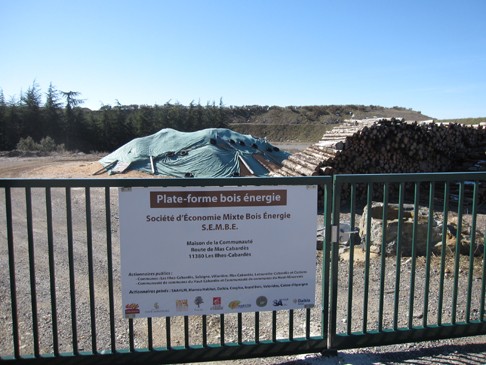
(307, 162)
(316, 159)
(398, 147)
(391, 146)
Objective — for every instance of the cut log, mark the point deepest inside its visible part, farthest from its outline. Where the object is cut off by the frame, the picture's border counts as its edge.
(313, 165)
(302, 170)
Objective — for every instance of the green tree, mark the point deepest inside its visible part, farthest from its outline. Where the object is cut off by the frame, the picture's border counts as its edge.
(13, 124)
(201, 116)
(145, 122)
(3, 121)
(175, 118)
(30, 104)
(212, 116)
(53, 123)
(114, 126)
(191, 121)
(222, 123)
(71, 118)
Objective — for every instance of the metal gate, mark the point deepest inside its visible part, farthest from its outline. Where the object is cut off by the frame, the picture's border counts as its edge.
(415, 271)
(60, 290)
(60, 284)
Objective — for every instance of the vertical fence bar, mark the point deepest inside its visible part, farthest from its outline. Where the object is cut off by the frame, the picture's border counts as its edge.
(457, 252)
(131, 335)
(332, 249)
(325, 262)
(325, 297)
(257, 327)
(291, 324)
(168, 333)
(222, 330)
(307, 323)
(186, 332)
(89, 243)
(109, 263)
(367, 259)
(274, 326)
(428, 255)
(445, 213)
(52, 273)
(398, 256)
(204, 320)
(381, 299)
(33, 292)
(150, 338)
(471, 252)
(72, 282)
(411, 296)
(352, 222)
(11, 267)
(240, 328)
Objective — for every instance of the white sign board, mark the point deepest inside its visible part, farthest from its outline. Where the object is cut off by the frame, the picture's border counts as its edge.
(212, 250)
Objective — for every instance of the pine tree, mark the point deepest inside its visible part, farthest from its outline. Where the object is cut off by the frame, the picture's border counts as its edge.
(3, 122)
(71, 125)
(53, 125)
(30, 103)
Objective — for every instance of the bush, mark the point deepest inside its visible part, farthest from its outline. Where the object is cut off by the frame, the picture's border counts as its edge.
(27, 144)
(47, 144)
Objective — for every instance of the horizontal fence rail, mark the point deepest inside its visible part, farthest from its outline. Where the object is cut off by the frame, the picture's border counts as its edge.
(60, 284)
(413, 268)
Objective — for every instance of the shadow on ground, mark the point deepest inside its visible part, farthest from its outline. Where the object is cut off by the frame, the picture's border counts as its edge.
(469, 354)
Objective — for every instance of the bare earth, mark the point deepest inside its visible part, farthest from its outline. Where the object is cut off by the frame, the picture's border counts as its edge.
(461, 351)
(56, 167)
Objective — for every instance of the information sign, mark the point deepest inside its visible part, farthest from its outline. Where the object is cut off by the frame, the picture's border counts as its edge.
(212, 250)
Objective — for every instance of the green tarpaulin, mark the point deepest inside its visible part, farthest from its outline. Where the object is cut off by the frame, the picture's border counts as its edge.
(213, 152)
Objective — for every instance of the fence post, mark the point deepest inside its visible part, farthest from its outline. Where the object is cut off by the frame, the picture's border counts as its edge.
(333, 250)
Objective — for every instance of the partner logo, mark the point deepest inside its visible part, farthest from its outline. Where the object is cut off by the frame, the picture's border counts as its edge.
(261, 301)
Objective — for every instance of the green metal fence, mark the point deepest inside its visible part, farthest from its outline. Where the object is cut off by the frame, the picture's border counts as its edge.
(427, 281)
(60, 284)
(401, 261)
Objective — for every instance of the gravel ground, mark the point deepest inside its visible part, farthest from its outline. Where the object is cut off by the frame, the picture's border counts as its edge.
(470, 350)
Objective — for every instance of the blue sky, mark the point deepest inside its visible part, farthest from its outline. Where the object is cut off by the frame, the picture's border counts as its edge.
(425, 55)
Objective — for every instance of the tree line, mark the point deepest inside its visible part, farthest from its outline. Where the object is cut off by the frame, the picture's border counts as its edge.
(57, 119)
(59, 116)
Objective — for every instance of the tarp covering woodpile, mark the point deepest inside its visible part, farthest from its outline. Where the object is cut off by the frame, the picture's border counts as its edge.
(213, 152)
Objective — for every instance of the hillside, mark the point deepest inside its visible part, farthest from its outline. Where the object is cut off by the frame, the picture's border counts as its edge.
(306, 123)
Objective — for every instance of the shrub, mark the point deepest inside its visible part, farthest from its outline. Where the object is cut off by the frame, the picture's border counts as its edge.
(27, 144)
(47, 144)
